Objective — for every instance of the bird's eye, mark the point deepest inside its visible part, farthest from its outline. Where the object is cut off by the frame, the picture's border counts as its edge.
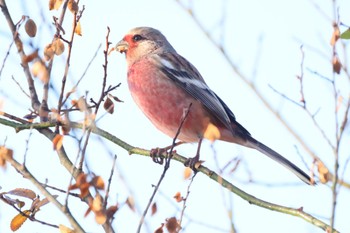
(137, 38)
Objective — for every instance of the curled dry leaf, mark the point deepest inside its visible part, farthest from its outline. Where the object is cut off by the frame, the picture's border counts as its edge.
(49, 51)
(335, 36)
(55, 4)
(58, 47)
(19, 219)
(154, 208)
(57, 141)
(131, 203)
(159, 229)
(178, 197)
(5, 154)
(22, 192)
(73, 6)
(30, 57)
(39, 70)
(30, 28)
(108, 105)
(323, 171)
(98, 182)
(336, 65)
(172, 225)
(111, 211)
(187, 173)
(78, 29)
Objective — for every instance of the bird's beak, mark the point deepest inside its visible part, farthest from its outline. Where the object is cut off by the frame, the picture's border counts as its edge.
(122, 46)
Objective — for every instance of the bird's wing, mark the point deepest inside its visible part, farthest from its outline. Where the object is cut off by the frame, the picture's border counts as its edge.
(186, 76)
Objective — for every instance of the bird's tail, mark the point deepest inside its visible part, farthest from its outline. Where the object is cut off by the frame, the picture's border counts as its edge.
(253, 143)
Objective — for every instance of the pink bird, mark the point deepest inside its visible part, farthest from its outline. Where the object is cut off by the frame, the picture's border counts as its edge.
(164, 84)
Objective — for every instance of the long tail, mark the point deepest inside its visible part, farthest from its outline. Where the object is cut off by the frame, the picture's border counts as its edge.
(253, 143)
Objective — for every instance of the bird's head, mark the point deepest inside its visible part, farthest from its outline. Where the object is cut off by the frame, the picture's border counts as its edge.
(143, 41)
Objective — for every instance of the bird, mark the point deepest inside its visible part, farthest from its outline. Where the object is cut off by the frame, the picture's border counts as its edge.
(165, 85)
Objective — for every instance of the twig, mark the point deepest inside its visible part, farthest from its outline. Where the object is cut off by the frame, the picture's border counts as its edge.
(166, 167)
(211, 174)
(25, 172)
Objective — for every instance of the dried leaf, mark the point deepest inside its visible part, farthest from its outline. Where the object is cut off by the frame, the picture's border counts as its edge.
(18, 220)
(131, 203)
(30, 57)
(55, 4)
(154, 208)
(111, 211)
(178, 197)
(49, 51)
(58, 47)
(64, 229)
(100, 217)
(335, 36)
(323, 171)
(336, 65)
(172, 225)
(5, 154)
(187, 173)
(73, 6)
(116, 98)
(159, 229)
(212, 132)
(22, 192)
(36, 206)
(108, 105)
(39, 70)
(57, 141)
(78, 29)
(30, 28)
(98, 182)
(82, 184)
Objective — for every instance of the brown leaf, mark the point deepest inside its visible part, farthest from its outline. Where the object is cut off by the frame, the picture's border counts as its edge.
(39, 70)
(58, 47)
(22, 192)
(108, 105)
(336, 65)
(172, 225)
(57, 141)
(73, 6)
(154, 208)
(159, 229)
(178, 197)
(335, 36)
(5, 154)
(49, 52)
(78, 29)
(116, 98)
(40, 203)
(187, 173)
(30, 57)
(18, 220)
(131, 203)
(111, 211)
(30, 28)
(98, 182)
(323, 171)
(55, 4)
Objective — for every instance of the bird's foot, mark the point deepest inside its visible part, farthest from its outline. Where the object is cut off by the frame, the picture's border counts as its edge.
(157, 154)
(193, 163)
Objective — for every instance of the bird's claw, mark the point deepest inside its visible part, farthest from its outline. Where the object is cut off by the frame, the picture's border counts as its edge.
(156, 155)
(193, 163)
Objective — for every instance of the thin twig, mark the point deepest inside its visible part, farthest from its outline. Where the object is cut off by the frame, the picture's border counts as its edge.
(166, 167)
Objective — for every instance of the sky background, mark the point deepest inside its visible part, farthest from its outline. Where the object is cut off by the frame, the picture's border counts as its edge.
(263, 39)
